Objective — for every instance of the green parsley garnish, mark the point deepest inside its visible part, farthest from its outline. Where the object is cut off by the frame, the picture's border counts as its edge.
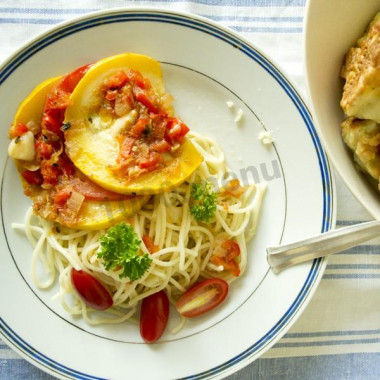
(120, 248)
(203, 201)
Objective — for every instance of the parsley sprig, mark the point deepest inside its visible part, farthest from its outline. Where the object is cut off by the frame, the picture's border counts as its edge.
(203, 201)
(120, 248)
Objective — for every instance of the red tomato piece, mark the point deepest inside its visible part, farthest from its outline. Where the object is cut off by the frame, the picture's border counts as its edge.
(154, 316)
(44, 149)
(49, 173)
(116, 81)
(202, 297)
(139, 127)
(151, 162)
(52, 122)
(136, 78)
(90, 289)
(70, 81)
(161, 146)
(66, 166)
(176, 130)
(33, 178)
(61, 197)
(230, 265)
(126, 145)
(232, 250)
(18, 130)
(148, 241)
(143, 98)
(57, 99)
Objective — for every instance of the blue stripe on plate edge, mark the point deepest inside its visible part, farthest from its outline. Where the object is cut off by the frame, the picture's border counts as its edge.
(235, 41)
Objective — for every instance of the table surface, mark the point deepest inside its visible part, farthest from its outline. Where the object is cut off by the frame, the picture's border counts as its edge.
(338, 335)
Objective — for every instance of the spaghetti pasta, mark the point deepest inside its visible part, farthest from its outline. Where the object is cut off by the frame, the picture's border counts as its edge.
(184, 245)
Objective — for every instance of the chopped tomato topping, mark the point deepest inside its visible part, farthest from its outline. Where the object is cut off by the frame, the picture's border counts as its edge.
(50, 173)
(176, 130)
(111, 95)
(66, 166)
(126, 145)
(57, 99)
(161, 146)
(228, 260)
(140, 127)
(142, 97)
(151, 162)
(18, 130)
(136, 78)
(33, 178)
(70, 81)
(44, 149)
(116, 81)
(52, 121)
(61, 197)
(148, 241)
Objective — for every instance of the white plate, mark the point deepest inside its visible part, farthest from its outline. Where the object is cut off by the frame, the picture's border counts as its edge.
(204, 66)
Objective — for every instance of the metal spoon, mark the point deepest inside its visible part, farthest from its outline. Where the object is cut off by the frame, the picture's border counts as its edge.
(330, 242)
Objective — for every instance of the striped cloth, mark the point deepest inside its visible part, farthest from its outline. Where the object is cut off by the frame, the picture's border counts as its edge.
(338, 335)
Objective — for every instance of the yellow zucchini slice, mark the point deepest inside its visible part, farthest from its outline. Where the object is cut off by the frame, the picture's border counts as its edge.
(91, 140)
(93, 214)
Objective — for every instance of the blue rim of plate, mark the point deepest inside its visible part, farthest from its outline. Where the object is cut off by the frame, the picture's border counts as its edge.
(231, 38)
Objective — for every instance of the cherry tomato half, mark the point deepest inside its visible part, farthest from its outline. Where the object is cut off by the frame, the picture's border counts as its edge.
(154, 316)
(202, 297)
(93, 293)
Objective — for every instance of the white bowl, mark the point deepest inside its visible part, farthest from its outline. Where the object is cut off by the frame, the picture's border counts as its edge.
(331, 28)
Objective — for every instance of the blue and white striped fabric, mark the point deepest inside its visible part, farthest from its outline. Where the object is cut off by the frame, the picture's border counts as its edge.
(338, 335)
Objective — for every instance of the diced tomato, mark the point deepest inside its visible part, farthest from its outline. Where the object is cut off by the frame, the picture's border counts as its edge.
(70, 81)
(228, 260)
(159, 122)
(49, 173)
(66, 166)
(57, 99)
(111, 95)
(52, 122)
(233, 249)
(18, 130)
(176, 130)
(161, 146)
(44, 149)
(202, 297)
(126, 145)
(61, 197)
(116, 81)
(148, 241)
(139, 127)
(232, 266)
(136, 78)
(142, 97)
(33, 178)
(151, 162)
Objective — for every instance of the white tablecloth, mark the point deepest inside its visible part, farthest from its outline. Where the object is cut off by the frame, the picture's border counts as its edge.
(338, 335)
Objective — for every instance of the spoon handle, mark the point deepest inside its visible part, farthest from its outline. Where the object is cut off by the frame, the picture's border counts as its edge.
(333, 241)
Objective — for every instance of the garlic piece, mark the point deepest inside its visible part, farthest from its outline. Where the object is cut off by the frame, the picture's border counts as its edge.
(22, 148)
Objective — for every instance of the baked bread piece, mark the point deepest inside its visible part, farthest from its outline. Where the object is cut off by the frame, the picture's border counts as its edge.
(363, 138)
(361, 70)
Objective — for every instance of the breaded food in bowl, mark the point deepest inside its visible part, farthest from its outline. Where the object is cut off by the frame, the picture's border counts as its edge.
(361, 101)
(361, 71)
(345, 22)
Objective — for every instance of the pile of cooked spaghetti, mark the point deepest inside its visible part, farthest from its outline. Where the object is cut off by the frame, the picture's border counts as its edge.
(185, 247)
